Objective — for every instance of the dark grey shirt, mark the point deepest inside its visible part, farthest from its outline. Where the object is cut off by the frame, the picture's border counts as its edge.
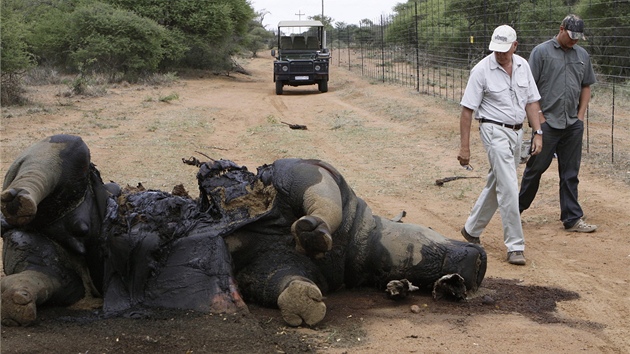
(560, 76)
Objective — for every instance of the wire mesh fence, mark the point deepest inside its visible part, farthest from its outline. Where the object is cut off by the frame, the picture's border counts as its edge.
(431, 45)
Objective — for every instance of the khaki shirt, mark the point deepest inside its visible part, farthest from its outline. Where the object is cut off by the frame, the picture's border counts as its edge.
(494, 95)
(560, 76)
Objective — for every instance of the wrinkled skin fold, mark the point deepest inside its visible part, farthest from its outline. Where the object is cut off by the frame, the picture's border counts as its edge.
(282, 237)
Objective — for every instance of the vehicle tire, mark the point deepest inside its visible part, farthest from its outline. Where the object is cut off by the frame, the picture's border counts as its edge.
(278, 87)
(322, 85)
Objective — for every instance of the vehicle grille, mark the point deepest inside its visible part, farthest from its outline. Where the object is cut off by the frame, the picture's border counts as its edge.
(301, 67)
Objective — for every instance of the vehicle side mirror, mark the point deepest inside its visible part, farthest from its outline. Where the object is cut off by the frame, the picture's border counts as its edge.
(273, 52)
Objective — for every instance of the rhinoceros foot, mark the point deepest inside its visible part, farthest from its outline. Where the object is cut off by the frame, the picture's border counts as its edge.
(301, 302)
(312, 236)
(19, 307)
(21, 292)
(18, 206)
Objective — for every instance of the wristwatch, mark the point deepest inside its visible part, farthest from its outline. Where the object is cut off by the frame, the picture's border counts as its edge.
(538, 132)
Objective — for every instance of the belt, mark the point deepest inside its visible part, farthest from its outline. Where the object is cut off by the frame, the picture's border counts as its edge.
(509, 126)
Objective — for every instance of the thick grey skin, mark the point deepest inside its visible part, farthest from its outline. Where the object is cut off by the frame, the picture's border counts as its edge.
(21, 293)
(317, 237)
(61, 256)
(36, 173)
(54, 175)
(337, 241)
(39, 271)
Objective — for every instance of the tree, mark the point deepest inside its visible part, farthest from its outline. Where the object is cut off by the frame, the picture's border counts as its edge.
(91, 36)
(213, 30)
(257, 36)
(326, 20)
(106, 39)
(15, 56)
(609, 42)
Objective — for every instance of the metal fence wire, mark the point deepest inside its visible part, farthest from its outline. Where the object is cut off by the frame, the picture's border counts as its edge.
(431, 45)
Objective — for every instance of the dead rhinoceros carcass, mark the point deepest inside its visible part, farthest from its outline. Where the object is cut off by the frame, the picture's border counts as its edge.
(311, 234)
(294, 230)
(68, 236)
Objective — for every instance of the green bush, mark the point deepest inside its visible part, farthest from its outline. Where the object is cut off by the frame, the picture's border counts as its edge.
(608, 33)
(106, 39)
(14, 55)
(96, 37)
(212, 30)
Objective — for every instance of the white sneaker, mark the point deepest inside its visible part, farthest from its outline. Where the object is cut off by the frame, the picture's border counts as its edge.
(581, 226)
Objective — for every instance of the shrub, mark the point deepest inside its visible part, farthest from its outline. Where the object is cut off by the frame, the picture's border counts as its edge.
(15, 57)
(95, 37)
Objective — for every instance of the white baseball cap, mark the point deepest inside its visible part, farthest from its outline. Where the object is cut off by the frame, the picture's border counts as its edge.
(502, 39)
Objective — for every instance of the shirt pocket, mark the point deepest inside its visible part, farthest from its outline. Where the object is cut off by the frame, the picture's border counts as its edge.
(497, 91)
(575, 73)
(522, 88)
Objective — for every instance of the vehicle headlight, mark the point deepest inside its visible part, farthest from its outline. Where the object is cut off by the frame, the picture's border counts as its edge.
(285, 68)
(317, 67)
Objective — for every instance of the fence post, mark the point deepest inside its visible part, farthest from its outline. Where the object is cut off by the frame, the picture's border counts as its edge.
(361, 47)
(612, 125)
(382, 48)
(348, 46)
(415, 6)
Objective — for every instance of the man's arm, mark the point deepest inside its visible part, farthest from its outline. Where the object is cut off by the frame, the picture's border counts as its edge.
(535, 118)
(465, 121)
(585, 98)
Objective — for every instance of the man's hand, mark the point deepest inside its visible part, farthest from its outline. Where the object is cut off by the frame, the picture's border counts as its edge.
(464, 157)
(537, 144)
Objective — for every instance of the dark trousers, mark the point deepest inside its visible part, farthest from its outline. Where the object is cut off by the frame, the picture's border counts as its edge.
(567, 144)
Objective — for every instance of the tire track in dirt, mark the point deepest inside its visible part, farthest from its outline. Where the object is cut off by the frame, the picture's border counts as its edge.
(278, 104)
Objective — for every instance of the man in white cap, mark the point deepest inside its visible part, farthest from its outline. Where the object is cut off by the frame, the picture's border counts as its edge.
(500, 92)
(564, 75)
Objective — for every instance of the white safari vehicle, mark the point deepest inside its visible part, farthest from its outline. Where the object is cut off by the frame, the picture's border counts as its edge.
(302, 57)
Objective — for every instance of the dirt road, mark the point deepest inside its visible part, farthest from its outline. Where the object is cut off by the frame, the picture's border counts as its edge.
(391, 144)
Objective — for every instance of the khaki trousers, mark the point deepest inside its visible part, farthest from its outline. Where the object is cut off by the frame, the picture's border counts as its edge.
(503, 146)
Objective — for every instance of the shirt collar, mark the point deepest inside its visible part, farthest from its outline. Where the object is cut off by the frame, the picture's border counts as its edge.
(555, 42)
(557, 45)
(494, 64)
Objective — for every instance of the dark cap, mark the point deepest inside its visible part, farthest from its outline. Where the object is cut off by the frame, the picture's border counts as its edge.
(574, 26)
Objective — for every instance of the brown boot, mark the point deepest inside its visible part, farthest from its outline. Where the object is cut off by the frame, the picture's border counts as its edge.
(469, 238)
(516, 257)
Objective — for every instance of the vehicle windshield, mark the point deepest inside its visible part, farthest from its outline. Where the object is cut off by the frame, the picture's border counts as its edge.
(300, 35)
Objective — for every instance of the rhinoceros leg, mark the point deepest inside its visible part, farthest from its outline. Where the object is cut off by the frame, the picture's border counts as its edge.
(322, 205)
(22, 292)
(270, 272)
(56, 165)
(38, 271)
(301, 302)
(312, 236)
(19, 206)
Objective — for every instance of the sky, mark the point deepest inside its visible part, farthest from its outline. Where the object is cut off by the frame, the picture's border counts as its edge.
(348, 11)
